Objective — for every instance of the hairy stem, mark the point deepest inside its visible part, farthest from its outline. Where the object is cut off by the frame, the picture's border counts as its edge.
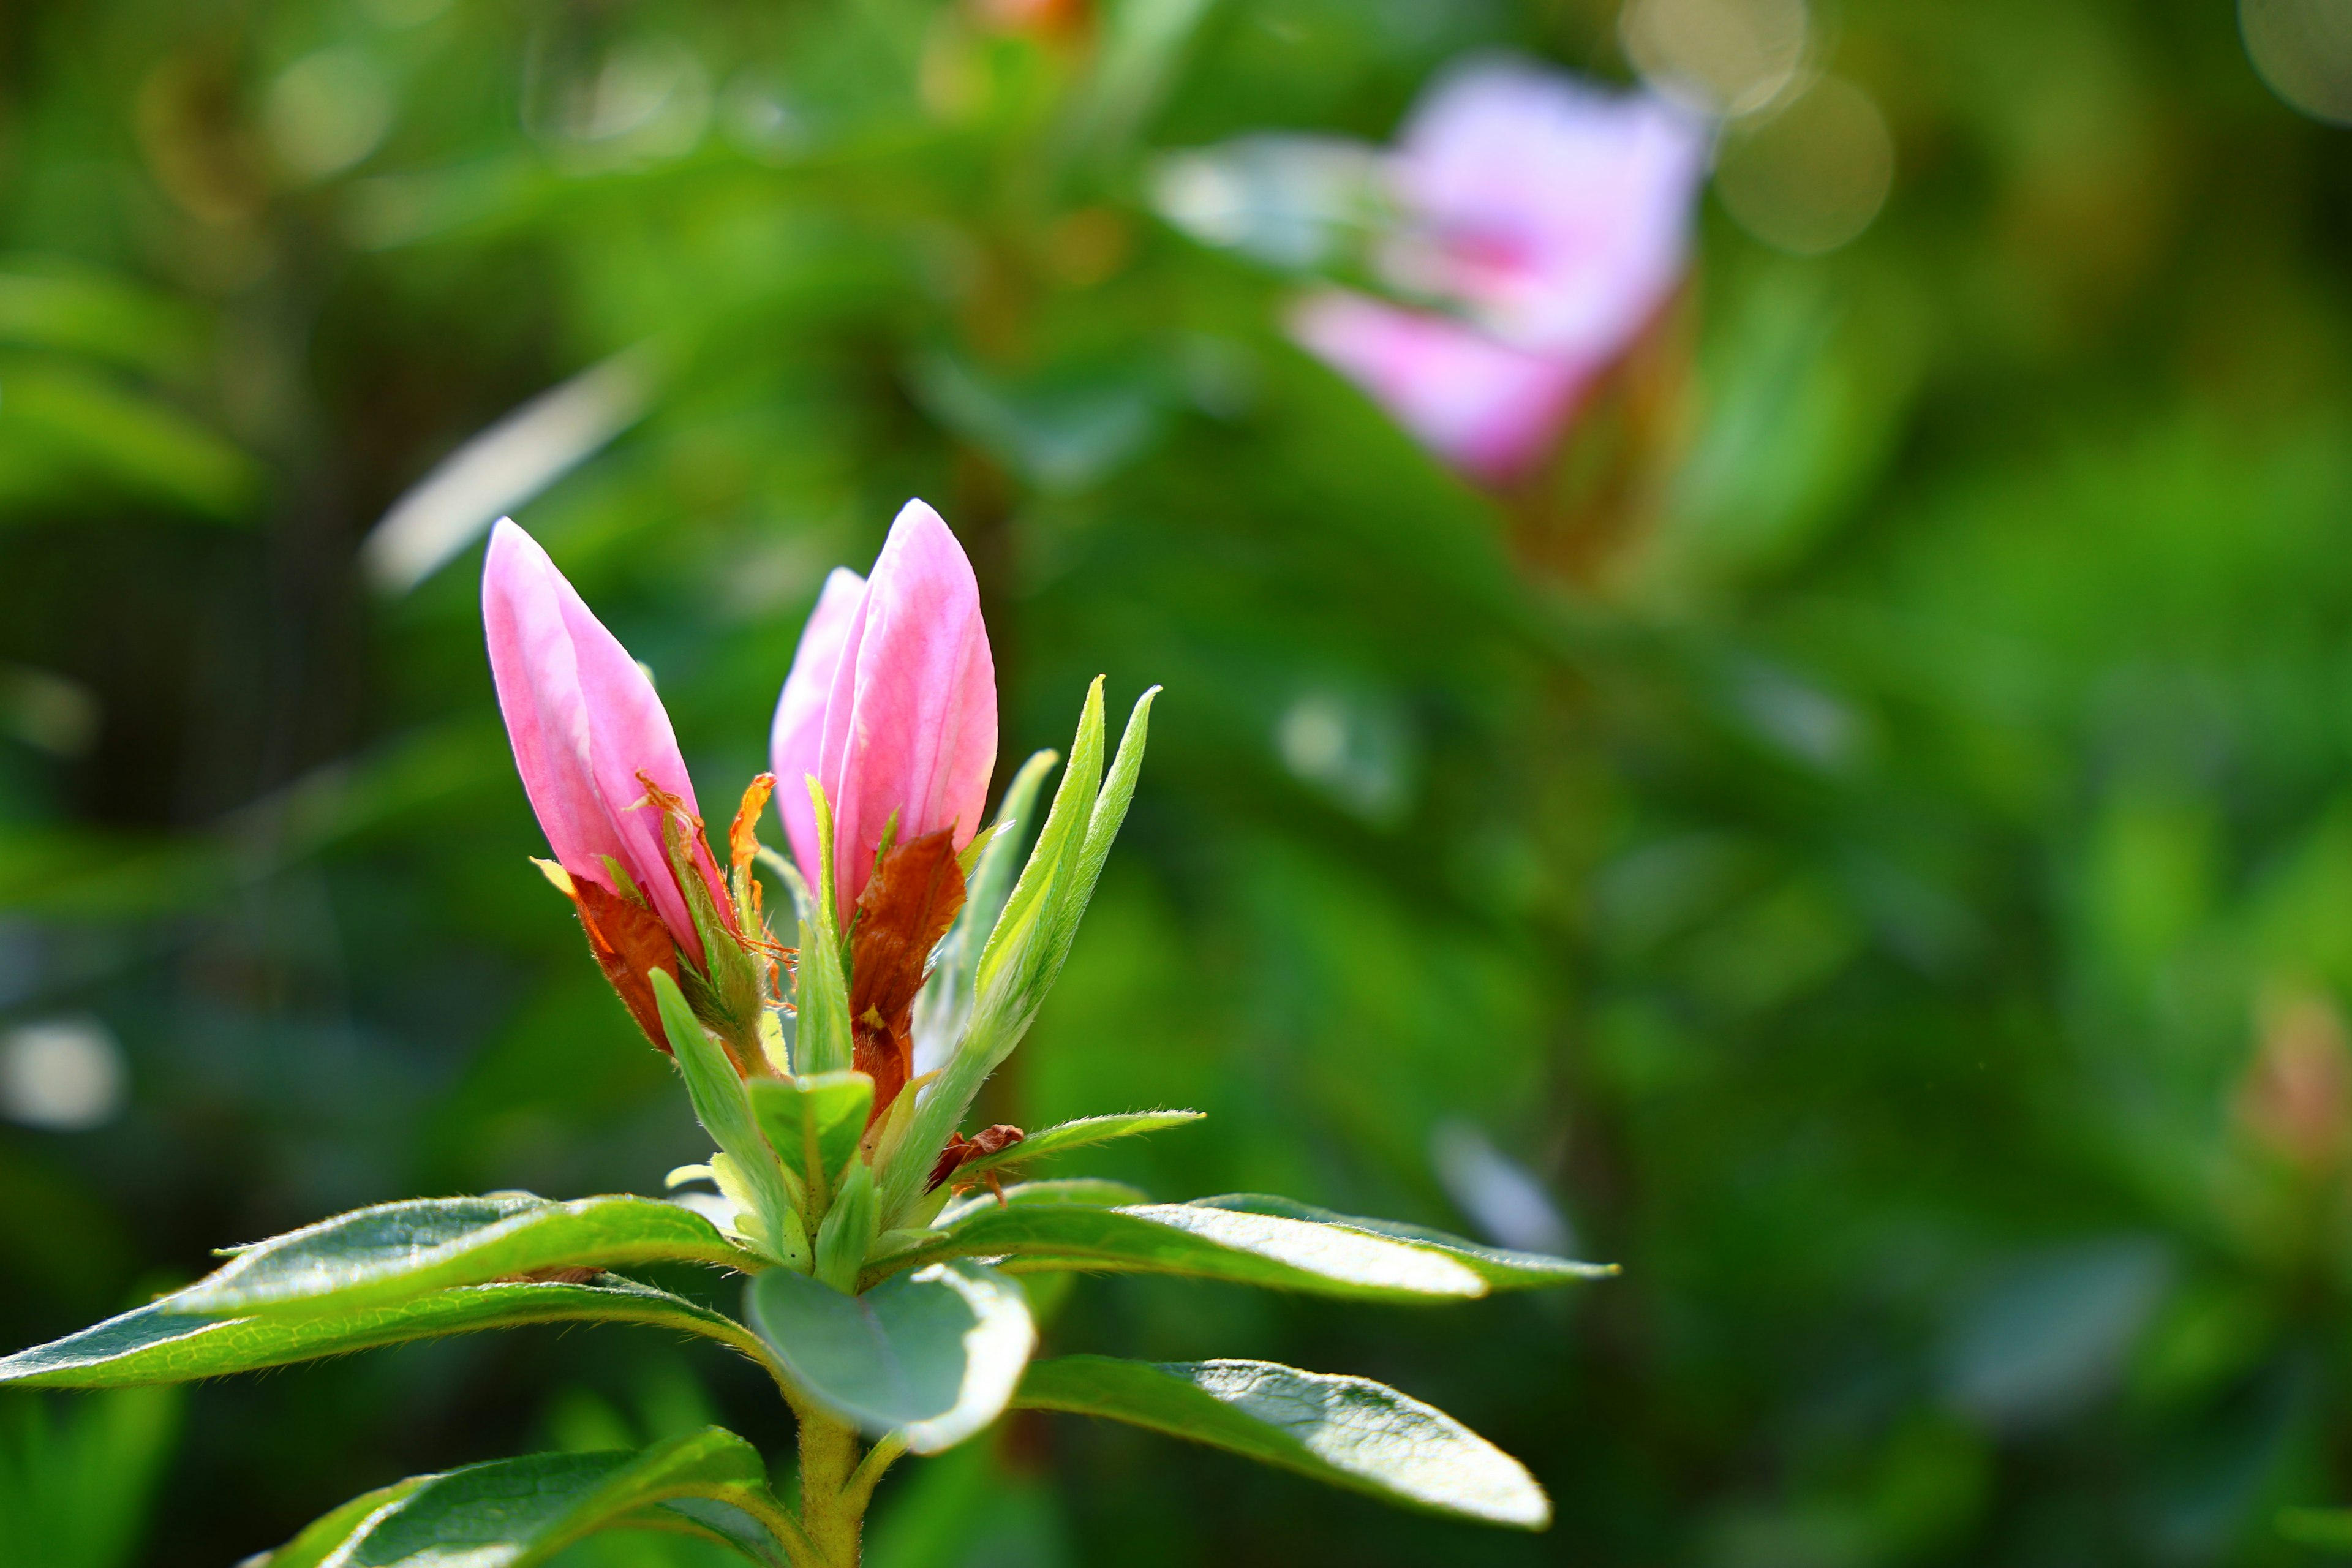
(831, 1514)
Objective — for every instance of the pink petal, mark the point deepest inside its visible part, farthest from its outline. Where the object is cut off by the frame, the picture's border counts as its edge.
(1488, 409)
(797, 735)
(911, 723)
(1557, 213)
(584, 722)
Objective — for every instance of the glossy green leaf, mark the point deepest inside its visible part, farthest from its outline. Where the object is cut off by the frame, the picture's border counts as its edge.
(813, 1121)
(513, 1513)
(724, 1108)
(933, 1353)
(944, 1005)
(157, 1344)
(1348, 1431)
(1058, 843)
(1500, 1267)
(1204, 1243)
(821, 1041)
(1068, 1135)
(393, 1252)
(1025, 951)
(1092, 1190)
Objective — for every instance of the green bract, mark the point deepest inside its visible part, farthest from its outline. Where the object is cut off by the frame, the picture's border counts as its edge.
(886, 1308)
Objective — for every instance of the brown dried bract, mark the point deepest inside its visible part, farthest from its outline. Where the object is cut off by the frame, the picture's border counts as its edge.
(961, 1151)
(914, 893)
(629, 940)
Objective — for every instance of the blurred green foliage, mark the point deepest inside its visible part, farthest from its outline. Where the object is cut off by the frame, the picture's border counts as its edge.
(1869, 831)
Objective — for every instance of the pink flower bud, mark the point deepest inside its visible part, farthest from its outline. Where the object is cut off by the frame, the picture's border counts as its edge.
(891, 705)
(588, 732)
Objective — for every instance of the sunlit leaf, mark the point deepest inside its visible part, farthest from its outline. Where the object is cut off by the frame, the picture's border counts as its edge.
(1348, 1431)
(375, 1256)
(1205, 1243)
(157, 1344)
(933, 1353)
(513, 1513)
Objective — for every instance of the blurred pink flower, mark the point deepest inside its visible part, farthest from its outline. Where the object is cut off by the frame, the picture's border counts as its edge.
(1488, 409)
(1554, 217)
(589, 734)
(1556, 213)
(891, 705)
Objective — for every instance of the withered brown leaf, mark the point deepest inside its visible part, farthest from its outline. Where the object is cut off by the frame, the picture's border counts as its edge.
(908, 905)
(961, 1151)
(629, 940)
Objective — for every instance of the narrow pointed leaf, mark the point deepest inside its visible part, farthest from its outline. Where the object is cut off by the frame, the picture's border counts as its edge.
(724, 1109)
(513, 1513)
(821, 1041)
(1058, 843)
(945, 1005)
(155, 1343)
(1093, 1191)
(934, 1354)
(1068, 1135)
(394, 1252)
(1103, 824)
(1204, 1243)
(1501, 1268)
(1347, 1431)
(813, 1121)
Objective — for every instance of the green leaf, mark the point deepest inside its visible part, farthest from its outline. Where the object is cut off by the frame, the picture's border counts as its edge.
(322, 1535)
(1204, 1243)
(1025, 950)
(1102, 830)
(157, 1344)
(821, 986)
(813, 1122)
(1347, 1431)
(933, 1354)
(513, 1513)
(944, 1005)
(1090, 1190)
(1068, 1135)
(394, 1252)
(1501, 1268)
(724, 1109)
(847, 1233)
(1058, 843)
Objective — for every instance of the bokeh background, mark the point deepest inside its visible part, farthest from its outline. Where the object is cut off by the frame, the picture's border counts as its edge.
(1863, 838)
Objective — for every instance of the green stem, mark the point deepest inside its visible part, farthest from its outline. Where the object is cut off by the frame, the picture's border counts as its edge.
(832, 1513)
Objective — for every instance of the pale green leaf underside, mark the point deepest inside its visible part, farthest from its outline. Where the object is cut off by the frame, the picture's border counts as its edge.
(513, 1513)
(1348, 1431)
(933, 1354)
(375, 1256)
(1502, 1268)
(1205, 1243)
(1068, 1135)
(157, 1344)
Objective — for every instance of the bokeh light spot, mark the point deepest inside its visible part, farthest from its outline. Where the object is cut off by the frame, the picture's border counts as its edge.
(2302, 49)
(1813, 176)
(327, 111)
(1718, 56)
(64, 1075)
